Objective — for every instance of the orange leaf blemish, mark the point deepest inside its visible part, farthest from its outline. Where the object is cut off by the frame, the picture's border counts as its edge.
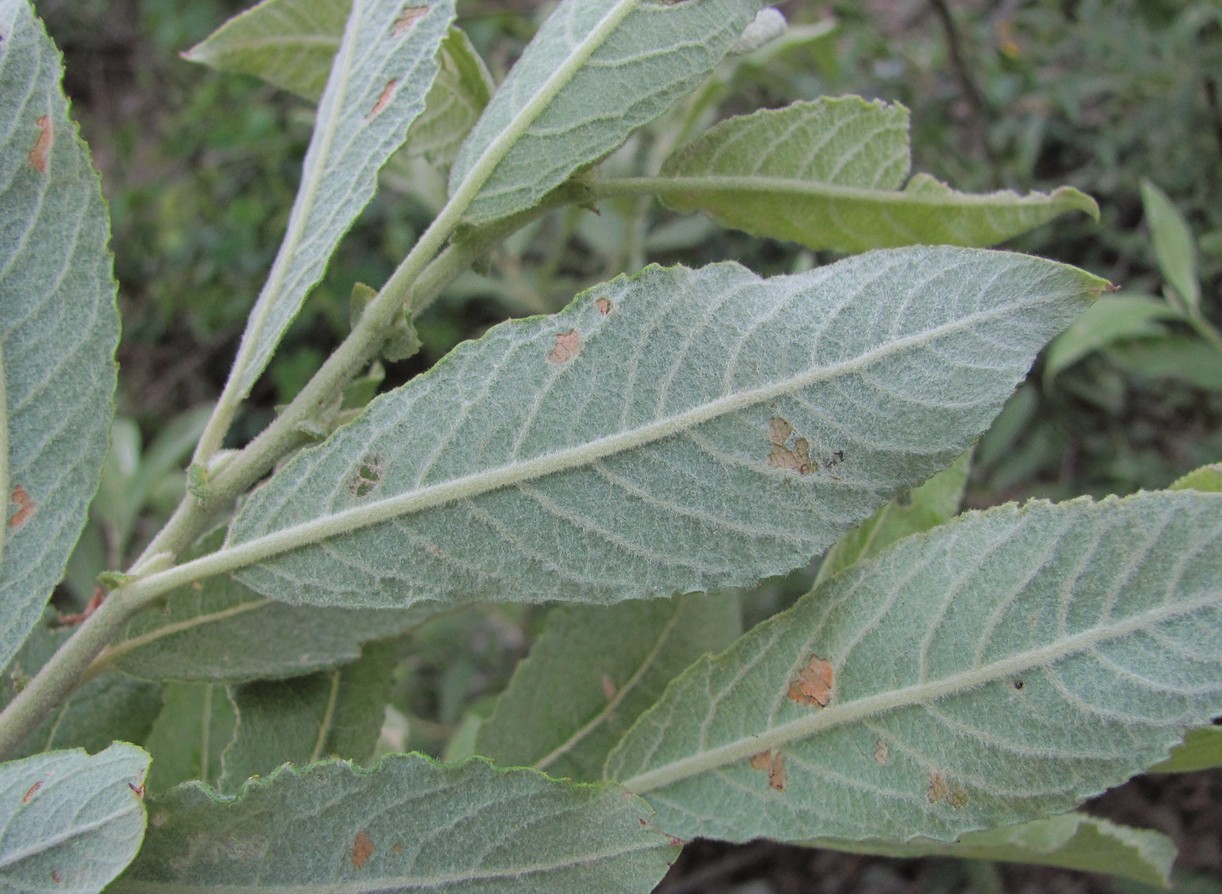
(568, 346)
(604, 306)
(813, 685)
(362, 849)
(31, 791)
(407, 18)
(56, 877)
(609, 689)
(942, 790)
(26, 507)
(383, 100)
(42, 144)
(774, 764)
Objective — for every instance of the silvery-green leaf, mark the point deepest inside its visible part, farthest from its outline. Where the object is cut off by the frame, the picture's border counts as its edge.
(1200, 750)
(1000, 668)
(830, 174)
(335, 713)
(107, 708)
(70, 821)
(289, 43)
(196, 724)
(382, 71)
(58, 325)
(1071, 841)
(407, 825)
(592, 672)
(219, 630)
(924, 507)
(671, 431)
(596, 71)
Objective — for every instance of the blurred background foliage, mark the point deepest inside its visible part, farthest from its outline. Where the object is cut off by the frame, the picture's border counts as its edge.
(200, 170)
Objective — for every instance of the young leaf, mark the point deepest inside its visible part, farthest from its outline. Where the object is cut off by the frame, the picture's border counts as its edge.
(828, 174)
(407, 825)
(381, 74)
(289, 43)
(1200, 750)
(459, 95)
(1071, 841)
(336, 713)
(1174, 246)
(70, 821)
(925, 507)
(218, 630)
(58, 326)
(596, 71)
(1000, 668)
(672, 431)
(581, 689)
(196, 724)
(1111, 319)
(1206, 478)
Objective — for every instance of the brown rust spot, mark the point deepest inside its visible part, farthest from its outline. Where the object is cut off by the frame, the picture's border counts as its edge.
(568, 346)
(31, 792)
(604, 305)
(940, 789)
(362, 849)
(407, 18)
(26, 507)
(786, 451)
(773, 763)
(42, 144)
(56, 877)
(813, 684)
(882, 753)
(383, 100)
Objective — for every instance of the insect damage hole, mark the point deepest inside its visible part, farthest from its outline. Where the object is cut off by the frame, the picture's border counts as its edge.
(567, 346)
(368, 476)
(813, 684)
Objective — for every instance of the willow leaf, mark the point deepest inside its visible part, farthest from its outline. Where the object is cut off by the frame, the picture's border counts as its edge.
(58, 325)
(828, 175)
(671, 431)
(595, 71)
(1000, 668)
(381, 74)
(580, 690)
(407, 825)
(70, 821)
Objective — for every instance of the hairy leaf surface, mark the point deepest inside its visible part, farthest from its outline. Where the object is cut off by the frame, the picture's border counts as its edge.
(385, 66)
(219, 630)
(596, 71)
(1071, 841)
(592, 672)
(196, 724)
(70, 821)
(672, 431)
(336, 713)
(407, 825)
(830, 174)
(58, 325)
(1000, 668)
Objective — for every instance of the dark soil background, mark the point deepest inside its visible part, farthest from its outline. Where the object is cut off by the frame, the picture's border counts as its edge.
(200, 169)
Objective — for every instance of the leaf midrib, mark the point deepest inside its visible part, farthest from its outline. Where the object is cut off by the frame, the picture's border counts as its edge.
(478, 483)
(918, 694)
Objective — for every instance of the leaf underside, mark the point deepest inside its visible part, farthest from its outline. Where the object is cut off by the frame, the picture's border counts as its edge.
(407, 825)
(58, 325)
(672, 431)
(1002, 667)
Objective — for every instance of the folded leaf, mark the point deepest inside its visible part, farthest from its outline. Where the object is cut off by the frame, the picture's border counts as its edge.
(289, 43)
(672, 431)
(1002, 667)
(70, 821)
(596, 71)
(581, 689)
(1071, 841)
(385, 66)
(407, 825)
(58, 326)
(828, 174)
